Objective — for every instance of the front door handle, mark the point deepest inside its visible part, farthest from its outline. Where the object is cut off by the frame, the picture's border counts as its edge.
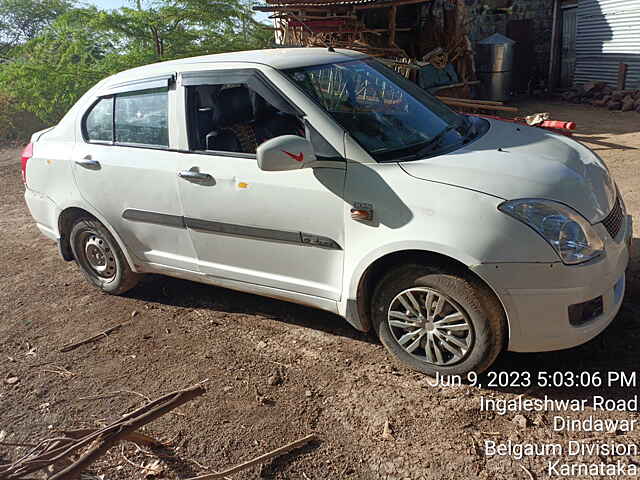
(195, 175)
(88, 162)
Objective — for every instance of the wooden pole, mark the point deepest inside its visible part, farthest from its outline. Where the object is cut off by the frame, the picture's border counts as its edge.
(552, 80)
(467, 100)
(366, 30)
(622, 76)
(317, 17)
(392, 25)
(462, 103)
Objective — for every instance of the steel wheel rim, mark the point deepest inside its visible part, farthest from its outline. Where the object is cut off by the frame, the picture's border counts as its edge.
(100, 258)
(430, 326)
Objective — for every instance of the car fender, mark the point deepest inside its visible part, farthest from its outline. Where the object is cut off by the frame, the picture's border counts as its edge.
(81, 204)
(420, 245)
(348, 305)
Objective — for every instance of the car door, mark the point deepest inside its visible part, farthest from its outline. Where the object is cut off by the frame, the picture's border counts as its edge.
(283, 230)
(123, 167)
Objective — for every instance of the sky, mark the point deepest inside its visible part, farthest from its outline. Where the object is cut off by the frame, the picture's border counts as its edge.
(110, 4)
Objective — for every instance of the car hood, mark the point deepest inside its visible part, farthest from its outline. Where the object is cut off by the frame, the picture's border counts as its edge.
(515, 161)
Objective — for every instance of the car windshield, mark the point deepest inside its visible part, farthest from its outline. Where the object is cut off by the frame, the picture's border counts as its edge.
(390, 117)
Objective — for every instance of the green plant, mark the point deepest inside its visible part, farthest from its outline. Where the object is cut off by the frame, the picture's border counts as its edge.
(77, 47)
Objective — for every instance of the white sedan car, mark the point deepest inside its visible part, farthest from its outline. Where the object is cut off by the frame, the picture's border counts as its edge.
(324, 178)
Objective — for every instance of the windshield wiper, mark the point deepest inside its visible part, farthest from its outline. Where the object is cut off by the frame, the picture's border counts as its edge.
(419, 151)
(434, 143)
(427, 147)
(469, 130)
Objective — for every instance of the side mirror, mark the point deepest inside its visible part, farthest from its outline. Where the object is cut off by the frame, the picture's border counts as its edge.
(287, 152)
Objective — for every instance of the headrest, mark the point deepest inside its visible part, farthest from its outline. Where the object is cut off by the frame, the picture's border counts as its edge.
(233, 105)
(205, 96)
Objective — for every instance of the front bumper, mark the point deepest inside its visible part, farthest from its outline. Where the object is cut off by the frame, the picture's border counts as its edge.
(537, 296)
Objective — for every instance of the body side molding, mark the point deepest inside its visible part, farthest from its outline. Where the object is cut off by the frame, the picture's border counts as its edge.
(268, 234)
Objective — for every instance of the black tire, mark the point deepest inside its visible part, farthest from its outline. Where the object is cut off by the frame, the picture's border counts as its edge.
(478, 307)
(88, 237)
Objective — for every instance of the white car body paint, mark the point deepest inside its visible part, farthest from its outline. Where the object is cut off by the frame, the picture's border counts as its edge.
(446, 205)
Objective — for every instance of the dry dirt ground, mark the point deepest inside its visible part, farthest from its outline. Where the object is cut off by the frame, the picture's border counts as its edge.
(335, 381)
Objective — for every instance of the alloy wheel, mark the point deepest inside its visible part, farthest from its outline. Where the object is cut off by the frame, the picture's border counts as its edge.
(430, 326)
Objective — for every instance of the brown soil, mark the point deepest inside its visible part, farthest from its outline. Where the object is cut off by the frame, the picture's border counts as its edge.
(335, 381)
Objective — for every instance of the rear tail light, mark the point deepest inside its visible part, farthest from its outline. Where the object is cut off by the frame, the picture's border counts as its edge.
(27, 153)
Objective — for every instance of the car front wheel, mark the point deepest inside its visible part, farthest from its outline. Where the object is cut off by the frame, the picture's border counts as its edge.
(438, 321)
(100, 258)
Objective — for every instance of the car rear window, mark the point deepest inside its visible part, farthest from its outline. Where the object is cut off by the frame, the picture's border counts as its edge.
(141, 119)
(99, 122)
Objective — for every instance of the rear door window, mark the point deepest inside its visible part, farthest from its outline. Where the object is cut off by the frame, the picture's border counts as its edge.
(99, 122)
(141, 118)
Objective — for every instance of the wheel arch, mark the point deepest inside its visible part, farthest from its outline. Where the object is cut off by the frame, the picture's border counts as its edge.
(373, 272)
(68, 217)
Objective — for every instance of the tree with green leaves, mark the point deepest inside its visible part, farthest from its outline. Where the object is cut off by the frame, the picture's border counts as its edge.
(49, 72)
(23, 20)
(52, 68)
(188, 27)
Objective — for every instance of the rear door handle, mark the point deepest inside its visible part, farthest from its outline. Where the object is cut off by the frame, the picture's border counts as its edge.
(194, 175)
(88, 162)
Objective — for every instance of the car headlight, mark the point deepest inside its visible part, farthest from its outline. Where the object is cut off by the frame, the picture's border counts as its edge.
(570, 234)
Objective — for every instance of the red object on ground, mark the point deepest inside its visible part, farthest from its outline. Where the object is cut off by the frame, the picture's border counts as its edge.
(557, 124)
(559, 131)
(551, 125)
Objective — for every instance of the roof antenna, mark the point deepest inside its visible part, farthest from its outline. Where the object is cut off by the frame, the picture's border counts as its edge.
(329, 47)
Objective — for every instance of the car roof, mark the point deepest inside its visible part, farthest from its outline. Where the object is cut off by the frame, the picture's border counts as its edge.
(278, 58)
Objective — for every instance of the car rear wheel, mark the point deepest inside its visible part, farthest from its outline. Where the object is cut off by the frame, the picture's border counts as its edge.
(438, 321)
(100, 258)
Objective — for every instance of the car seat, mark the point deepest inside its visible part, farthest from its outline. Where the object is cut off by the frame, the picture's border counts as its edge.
(234, 129)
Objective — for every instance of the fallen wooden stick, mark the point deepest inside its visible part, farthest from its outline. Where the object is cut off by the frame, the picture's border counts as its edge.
(434, 90)
(72, 346)
(260, 459)
(128, 424)
(527, 471)
(51, 451)
(468, 100)
(462, 103)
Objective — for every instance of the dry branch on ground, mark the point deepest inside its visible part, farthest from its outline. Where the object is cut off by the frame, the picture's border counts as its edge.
(51, 451)
(72, 346)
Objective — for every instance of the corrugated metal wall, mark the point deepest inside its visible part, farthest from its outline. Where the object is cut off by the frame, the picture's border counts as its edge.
(608, 33)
